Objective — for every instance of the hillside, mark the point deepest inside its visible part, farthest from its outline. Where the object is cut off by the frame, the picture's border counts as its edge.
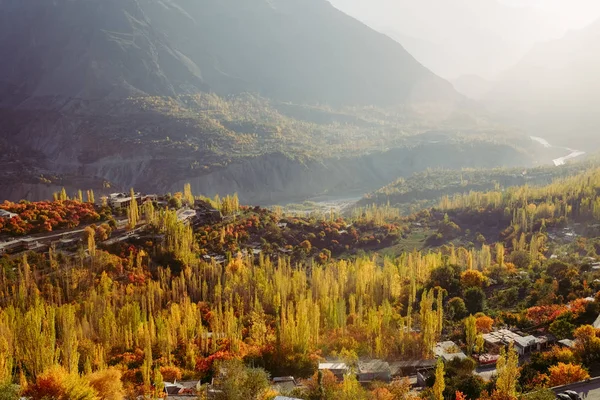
(262, 295)
(120, 95)
(148, 93)
(427, 188)
(285, 49)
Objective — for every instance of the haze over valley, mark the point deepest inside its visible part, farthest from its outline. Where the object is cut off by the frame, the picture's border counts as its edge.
(155, 93)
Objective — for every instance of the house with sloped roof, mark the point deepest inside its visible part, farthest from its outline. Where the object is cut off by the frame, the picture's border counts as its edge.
(284, 384)
(374, 370)
(7, 215)
(504, 337)
(339, 369)
(448, 351)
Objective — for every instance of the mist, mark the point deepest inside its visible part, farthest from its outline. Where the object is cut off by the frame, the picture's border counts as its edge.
(471, 37)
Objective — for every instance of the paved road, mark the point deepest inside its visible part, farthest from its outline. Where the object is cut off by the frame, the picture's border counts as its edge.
(588, 390)
(38, 238)
(486, 372)
(42, 237)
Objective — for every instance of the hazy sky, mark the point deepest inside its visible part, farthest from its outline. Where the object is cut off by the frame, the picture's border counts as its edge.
(571, 13)
(471, 37)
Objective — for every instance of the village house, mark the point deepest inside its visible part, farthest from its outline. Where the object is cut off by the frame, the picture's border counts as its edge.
(409, 367)
(448, 351)
(338, 369)
(7, 215)
(186, 215)
(524, 344)
(183, 389)
(206, 213)
(122, 200)
(284, 384)
(568, 343)
(374, 370)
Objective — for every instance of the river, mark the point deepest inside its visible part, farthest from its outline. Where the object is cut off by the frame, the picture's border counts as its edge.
(561, 160)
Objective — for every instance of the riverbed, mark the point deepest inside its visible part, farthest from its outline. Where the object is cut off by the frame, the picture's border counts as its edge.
(561, 160)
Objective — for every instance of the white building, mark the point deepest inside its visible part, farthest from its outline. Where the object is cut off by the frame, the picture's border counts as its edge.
(523, 344)
(448, 351)
(7, 215)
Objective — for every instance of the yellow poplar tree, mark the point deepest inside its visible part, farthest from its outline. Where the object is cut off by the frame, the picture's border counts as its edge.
(470, 333)
(440, 385)
(133, 212)
(508, 373)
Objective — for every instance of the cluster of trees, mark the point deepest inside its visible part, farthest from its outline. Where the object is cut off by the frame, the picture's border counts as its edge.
(46, 216)
(85, 313)
(533, 208)
(425, 189)
(304, 238)
(154, 309)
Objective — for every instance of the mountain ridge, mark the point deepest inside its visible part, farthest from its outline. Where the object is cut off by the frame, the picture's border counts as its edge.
(148, 92)
(309, 54)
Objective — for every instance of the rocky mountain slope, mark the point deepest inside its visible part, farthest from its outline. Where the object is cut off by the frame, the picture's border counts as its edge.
(148, 93)
(286, 49)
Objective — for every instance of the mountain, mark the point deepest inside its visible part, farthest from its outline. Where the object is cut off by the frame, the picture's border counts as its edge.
(459, 37)
(88, 49)
(554, 89)
(286, 49)
(274, 98)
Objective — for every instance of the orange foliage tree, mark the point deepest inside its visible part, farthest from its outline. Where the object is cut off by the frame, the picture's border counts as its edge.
(484, 324)
(381, 394)
(563, 374)
(460, 396)
(58, 384)
(171, 373)
(587, 343)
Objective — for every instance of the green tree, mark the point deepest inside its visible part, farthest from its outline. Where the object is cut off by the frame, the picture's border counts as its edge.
(446, 277)
(63, 195)
(188, 196)
(456, 309)
(521, 259)
(8, 391)
(474, 300)
(90, 234)
(157, 382)
(351, 389)
(470, 333)
(562, 329)
(236, 381)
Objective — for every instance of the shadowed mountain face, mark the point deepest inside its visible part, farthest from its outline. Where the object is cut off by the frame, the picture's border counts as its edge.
(304, 51)
(220, 93)
(88, 49)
